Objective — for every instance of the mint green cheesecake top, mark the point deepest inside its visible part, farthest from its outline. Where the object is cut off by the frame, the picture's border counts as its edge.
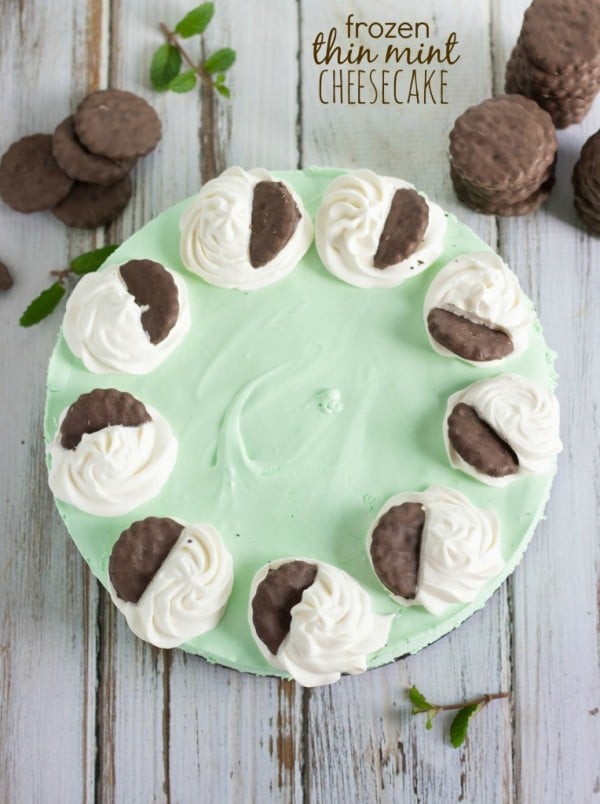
(300, 408)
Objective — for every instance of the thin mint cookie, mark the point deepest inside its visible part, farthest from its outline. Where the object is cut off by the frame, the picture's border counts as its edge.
(6, 281)
(30, 178)
(82, 165)
(90, 205)
(561, 35)
(117, 124)
(502, 143)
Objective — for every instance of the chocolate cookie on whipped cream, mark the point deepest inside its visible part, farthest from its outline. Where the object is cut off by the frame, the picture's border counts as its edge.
(127, 318)
(434, 548)
(172, 580)
(503, 428)
(110, 453)
(376, 231)
(313, 620)
(475, 309)
(244, 230)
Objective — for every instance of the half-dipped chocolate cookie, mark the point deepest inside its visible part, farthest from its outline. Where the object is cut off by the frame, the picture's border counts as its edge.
(171, 579)
(244, 230)
(110, 453)
(434, 548)
(30, 177)
(313, 620)
(376, 231)
(475, 309)
(127, 318)
(503, 428)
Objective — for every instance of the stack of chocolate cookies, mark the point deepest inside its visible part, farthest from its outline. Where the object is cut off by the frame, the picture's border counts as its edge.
(503, 155)
(586, 184)
(557, 58)
(81, 172)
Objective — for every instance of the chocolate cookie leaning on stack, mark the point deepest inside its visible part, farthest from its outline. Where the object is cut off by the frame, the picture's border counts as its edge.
(556, 60)
(503, 155)
(586, 184)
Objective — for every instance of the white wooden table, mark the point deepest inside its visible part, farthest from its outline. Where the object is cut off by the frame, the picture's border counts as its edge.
(88, 712)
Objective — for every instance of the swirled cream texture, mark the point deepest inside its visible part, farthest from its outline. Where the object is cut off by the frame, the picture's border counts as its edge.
(215, 233)
(523, 413)
(460, 548)
(349, 225)
(482, 288)
(188, 594)
(113, 470)
(102, 325)
(332, 631)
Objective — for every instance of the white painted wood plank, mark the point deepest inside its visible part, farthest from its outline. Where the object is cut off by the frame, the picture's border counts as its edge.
(48, 602)
(133, 712)
(234, 737)
(363, 745)
(556, 589)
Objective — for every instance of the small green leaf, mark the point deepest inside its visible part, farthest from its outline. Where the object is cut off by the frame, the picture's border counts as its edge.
(220, 61)
(429, 723)
(220, 79)
(223, 90)
(165, 65)
(458, 727)
(91, 260)
(43, 305)
(196, 22)
(419, 701)
(184, 82)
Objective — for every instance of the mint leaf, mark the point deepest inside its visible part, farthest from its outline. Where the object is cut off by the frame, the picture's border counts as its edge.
(165, 65)
(458, 727)
(43, 305)
(419, 701)
(223, 90)
(91, 260)
(220, 79)
(184, 82)
(220, 61)
(196, 22)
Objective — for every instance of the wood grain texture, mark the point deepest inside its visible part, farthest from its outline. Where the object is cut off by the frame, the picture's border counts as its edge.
(48, 601)
(383, 754)
(90, 713)
(556, 628)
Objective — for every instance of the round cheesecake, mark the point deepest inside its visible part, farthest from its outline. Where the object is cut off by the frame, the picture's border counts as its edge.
(299, 408)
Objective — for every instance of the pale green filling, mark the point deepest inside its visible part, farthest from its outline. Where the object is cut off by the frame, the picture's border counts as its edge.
(299, 409)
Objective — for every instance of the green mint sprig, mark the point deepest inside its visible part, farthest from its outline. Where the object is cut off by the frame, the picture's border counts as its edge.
(167, 61)
(460, 722)
(48, 300)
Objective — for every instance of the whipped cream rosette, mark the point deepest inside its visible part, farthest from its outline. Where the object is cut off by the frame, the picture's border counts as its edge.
(475, 309)
(313, 620)
(110, 453)
(503, 428)
(127, 318)
(171, 579)
(244, 230)
(434, 548)
(375, 231)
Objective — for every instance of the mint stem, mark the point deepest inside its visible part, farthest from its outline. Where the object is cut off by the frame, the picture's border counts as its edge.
(485, 699)
(61, 275)
(197, 68)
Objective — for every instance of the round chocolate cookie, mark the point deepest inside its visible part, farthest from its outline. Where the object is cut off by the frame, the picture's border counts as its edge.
(117, 124)
(90, 205)
(30, 178)
(6, 280)
(561, 35)
(502, 143)
(78, 163)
